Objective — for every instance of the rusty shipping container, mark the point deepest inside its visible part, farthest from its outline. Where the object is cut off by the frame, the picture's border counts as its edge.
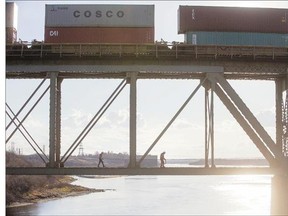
(99, 15)
(232, 19)
(98, 35)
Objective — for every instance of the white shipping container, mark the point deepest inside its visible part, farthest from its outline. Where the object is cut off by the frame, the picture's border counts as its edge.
(11, 15)
(99, 16)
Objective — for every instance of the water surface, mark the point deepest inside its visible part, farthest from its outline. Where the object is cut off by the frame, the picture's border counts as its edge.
(168, 195)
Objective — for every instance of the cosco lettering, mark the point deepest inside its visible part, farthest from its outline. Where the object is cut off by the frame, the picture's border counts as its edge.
(98, 14)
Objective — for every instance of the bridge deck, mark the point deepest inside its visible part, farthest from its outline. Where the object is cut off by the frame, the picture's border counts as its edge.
(141, 171)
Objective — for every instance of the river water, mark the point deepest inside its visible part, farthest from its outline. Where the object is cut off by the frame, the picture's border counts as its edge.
(165, 195)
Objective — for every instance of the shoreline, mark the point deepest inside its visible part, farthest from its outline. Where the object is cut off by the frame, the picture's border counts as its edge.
(20, 204)
(52, 192)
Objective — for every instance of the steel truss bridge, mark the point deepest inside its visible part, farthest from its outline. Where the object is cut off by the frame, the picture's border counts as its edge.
(213, 66)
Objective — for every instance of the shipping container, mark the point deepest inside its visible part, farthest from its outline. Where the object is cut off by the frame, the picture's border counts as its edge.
(236, 38)
(11, 15)
(99, 16)
(11, 35)
(232, 19)
(98, 35)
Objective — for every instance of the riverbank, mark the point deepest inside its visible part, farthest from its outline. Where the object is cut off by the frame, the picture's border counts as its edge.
(63, 188)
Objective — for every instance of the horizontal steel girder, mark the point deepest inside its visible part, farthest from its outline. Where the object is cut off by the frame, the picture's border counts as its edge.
(141, 171)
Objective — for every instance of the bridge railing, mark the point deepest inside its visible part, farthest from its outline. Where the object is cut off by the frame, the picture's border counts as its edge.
(157, 50)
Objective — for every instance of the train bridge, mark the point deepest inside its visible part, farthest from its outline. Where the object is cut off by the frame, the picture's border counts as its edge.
(213, 66)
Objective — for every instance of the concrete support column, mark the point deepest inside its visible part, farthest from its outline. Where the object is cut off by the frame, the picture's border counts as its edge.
(133, 118)
(279, 195)
(52, 124)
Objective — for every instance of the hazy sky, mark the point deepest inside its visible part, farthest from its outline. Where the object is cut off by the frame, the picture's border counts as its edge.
(158, 100)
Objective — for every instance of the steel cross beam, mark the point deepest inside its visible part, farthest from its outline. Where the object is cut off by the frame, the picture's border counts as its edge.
(170, 123)
(92, 122)
(27, 114)
(29, 136)
(141, 171)
(27, 101)
(247, 120)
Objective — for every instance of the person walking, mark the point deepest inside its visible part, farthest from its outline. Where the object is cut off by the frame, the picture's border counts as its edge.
(101, 159)
(162, 159)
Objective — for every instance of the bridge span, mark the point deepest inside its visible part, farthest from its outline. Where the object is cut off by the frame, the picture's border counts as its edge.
(213, 66)
(208, 64)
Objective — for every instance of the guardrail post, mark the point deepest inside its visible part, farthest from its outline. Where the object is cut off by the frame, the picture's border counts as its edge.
(120, 51)
(41, 52)
(156, 50)
(22, 50)
(60, 50)
(137, 51)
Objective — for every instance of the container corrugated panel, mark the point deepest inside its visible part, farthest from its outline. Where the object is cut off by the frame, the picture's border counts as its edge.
(99, 16)
(237, 38)
(98, 35)
(11, 35)
(11, 15)
(232, 19)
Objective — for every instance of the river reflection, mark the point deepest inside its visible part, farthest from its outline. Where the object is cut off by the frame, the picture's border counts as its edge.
(169, 195)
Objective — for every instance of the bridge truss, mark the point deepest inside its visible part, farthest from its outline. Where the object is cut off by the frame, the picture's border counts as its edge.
(285, 125)
(213, 76)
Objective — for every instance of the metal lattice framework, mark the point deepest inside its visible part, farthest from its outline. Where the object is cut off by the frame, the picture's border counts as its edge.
(213, 74)
(285, 125)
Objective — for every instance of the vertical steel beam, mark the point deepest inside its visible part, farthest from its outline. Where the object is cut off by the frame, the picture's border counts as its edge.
(211, 118)
(209, 122)
(278, 111)
(284, 117)
(206, 128)
(133, 117)
(52, 125)
(58, 122)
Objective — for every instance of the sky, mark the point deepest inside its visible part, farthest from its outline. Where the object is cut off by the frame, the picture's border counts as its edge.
(158, 100)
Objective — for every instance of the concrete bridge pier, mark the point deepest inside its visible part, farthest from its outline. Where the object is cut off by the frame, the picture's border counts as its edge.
(279, 195)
